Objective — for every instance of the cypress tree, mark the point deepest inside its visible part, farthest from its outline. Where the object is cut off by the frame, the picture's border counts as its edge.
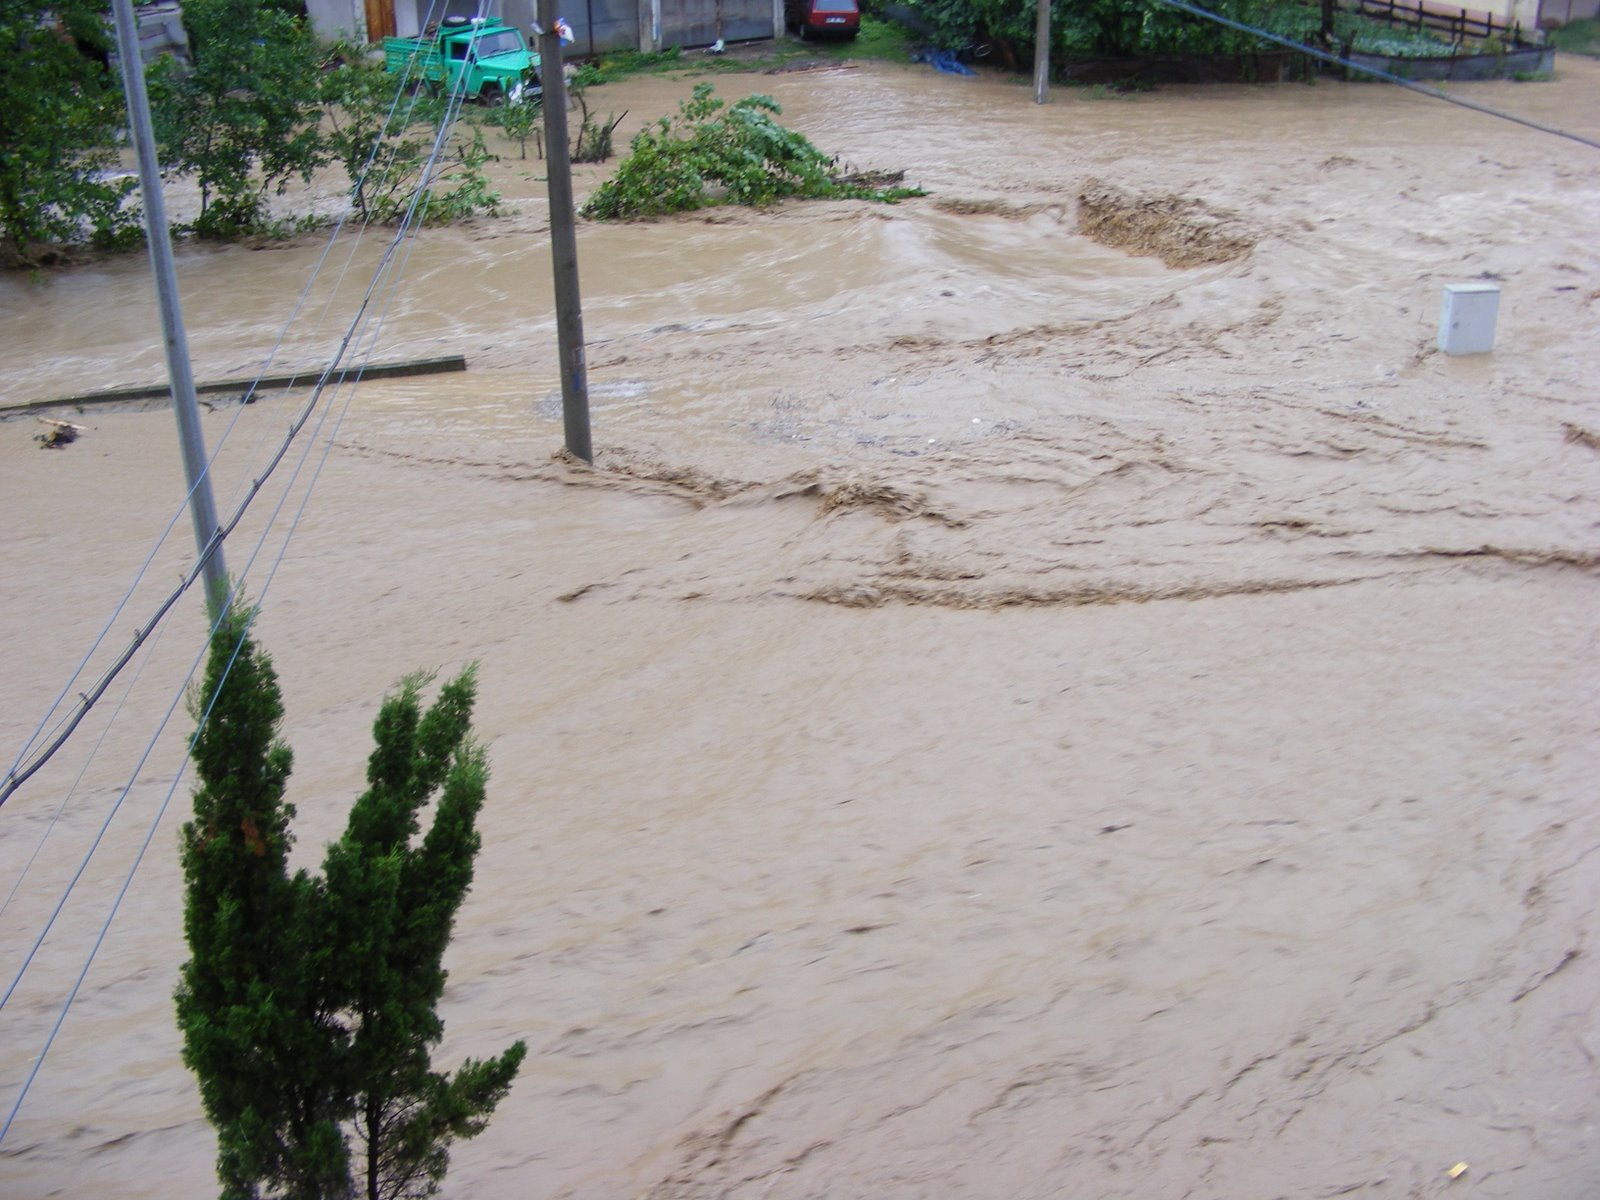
(309, 1005)
(395, 899)
(255, 1033)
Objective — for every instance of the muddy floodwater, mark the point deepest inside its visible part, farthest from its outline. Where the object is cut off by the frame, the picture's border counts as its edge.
(1006, 715)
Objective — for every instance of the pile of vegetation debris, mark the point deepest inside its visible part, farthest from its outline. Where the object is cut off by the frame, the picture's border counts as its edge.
(1179, 230)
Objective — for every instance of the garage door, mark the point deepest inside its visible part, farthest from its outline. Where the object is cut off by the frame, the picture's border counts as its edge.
(700, 22)
(600, 25)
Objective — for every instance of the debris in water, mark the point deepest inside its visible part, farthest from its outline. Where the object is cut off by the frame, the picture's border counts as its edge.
(1457, 1171)
(1181, 231)
(1583, 437)
(60, 433)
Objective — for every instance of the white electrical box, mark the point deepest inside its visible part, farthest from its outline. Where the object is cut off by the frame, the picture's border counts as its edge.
(1466, 326)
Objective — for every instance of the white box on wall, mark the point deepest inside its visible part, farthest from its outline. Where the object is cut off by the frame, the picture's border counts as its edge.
(1466, 326)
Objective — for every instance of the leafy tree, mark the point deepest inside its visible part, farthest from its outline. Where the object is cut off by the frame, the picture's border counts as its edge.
(61, 107)
(384, 146)
(309, 1004)
(1109, 28)
(737, 149)
(244, 119)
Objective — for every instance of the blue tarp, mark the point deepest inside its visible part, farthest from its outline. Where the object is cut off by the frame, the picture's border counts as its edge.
(943, 60)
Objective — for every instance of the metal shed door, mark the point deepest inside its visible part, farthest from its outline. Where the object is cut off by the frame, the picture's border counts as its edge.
(701, 22)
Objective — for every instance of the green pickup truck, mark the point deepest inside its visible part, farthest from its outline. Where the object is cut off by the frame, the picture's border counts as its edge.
(486, 59)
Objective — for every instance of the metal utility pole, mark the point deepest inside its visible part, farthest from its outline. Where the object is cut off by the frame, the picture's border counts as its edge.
(1041, 54)
(202, 507)
(563, 238)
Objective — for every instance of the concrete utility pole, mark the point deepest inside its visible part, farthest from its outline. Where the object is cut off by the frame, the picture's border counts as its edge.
(1041, 54)
(563, 238)
(202, 507)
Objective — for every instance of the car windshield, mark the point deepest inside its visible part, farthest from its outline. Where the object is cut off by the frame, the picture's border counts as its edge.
(506, 41)
(835, 6)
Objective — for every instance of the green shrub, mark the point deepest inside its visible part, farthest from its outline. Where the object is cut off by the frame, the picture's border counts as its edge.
(385, 152)
(519, 121)
(713, 153)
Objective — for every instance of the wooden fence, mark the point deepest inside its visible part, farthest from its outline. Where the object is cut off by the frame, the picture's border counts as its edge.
(1459, 24)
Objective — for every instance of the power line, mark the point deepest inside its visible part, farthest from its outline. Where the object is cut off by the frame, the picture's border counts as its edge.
(61, 808)
(386, 269)
(1409, 84)
(127, 882)
(18, 773)
(407, 225)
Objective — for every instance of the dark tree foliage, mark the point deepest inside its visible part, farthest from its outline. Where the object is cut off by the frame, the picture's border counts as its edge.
(244, 119)
(60, 108)
(393, 900)
(1108, 28)
(309, 1006)
(263, 1043)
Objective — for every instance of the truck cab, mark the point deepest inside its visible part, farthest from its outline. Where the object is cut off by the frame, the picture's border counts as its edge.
(482, 57)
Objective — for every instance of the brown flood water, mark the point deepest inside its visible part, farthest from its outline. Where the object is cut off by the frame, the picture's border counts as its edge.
(1004, 717)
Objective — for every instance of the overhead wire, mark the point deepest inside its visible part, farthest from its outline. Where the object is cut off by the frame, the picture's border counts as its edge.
(1379, 73)
(416, 208)
(127, 882)
(18, 774)
(356, 322)
(61, 807)
(355, 325)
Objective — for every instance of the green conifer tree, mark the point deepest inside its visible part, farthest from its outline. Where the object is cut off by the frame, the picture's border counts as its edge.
(394, 900)
(263, 1044)
(309, 1006)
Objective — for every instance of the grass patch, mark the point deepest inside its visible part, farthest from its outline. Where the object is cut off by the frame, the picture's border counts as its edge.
(619, 64)
(1578, 37)
(878, 41)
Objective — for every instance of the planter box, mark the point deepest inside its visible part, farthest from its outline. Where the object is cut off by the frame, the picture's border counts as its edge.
(1268, 66)
(1530, 60)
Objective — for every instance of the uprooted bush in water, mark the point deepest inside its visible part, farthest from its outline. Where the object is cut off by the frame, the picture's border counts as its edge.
(717, 153)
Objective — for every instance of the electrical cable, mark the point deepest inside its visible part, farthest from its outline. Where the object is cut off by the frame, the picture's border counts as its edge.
(418, 205)
(128, 881)
(61, 807)
(409, 222)
(1410, 85)
(63, 730)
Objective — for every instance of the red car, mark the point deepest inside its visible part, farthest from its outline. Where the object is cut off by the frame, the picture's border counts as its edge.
(825, 18)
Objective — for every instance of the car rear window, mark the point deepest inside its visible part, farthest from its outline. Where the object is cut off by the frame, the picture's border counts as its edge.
(834, 6)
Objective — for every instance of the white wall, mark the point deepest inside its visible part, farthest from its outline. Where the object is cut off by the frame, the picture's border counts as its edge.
(332, 19)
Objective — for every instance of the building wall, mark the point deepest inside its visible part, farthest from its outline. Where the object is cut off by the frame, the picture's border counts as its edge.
(597, 25)
(1564, 12)
(333, 19)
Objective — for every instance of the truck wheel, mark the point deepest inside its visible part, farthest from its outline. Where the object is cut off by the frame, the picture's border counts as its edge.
(492, 96)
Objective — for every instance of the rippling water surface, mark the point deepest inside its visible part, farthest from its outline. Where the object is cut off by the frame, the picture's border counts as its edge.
(1003, 717)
